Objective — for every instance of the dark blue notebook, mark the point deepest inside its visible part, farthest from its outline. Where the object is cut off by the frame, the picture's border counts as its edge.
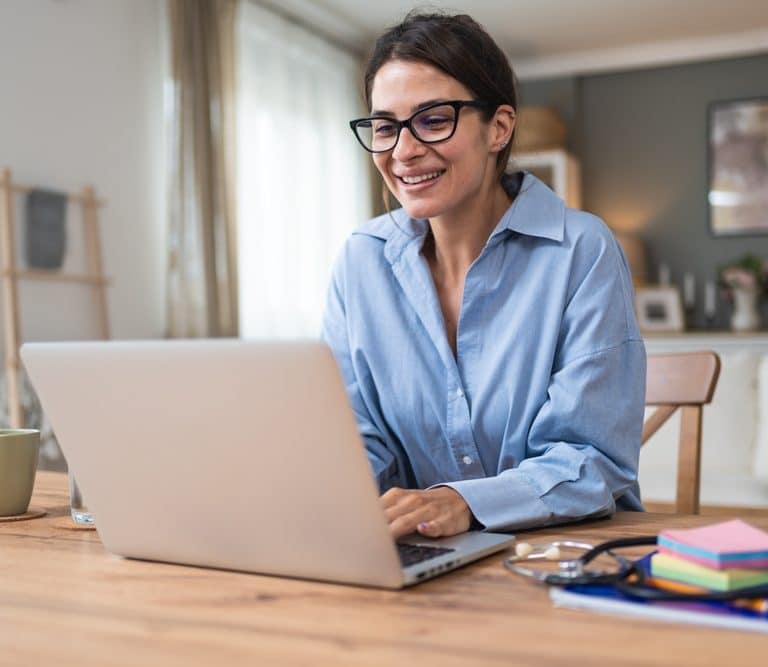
(606, 599)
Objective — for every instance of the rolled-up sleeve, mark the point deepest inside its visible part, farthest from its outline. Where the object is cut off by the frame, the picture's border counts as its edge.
(583, 447)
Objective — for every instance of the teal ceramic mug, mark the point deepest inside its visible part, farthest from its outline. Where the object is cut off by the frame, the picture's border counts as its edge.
(19, 450)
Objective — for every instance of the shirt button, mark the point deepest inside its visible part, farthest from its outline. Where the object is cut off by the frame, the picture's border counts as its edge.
(459, 392)
(467, 460)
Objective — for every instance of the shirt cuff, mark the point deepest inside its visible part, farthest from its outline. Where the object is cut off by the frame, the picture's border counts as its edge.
(507, 501)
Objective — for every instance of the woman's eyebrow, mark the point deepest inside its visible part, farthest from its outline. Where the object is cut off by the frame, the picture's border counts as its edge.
(414, 109)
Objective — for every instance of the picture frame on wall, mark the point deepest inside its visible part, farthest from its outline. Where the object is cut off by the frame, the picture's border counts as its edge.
(738, 167)
(659, 309)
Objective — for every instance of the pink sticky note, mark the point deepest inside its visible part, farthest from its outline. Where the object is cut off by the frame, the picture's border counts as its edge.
(728, 537)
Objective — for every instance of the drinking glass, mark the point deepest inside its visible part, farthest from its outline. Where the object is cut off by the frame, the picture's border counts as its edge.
(78, 508)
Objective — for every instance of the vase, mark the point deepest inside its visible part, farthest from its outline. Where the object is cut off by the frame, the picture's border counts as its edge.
(745, 316)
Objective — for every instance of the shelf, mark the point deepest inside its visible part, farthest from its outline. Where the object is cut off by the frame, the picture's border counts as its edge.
(50, 276)
(71, 196)
(11, 275)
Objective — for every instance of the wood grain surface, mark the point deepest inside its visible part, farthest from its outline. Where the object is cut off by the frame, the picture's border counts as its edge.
(65, 601)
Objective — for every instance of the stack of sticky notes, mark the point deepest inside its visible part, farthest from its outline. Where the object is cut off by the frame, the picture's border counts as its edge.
(721, 557)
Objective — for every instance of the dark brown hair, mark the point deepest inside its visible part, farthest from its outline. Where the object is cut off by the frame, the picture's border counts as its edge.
(460, 47)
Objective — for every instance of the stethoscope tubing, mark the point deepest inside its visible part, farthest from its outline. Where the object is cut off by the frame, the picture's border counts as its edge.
(620, 543)
(574, 572)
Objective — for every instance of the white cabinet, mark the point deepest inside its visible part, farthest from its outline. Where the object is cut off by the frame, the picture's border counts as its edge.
(734, 468)
(722, 342)
(557, 168)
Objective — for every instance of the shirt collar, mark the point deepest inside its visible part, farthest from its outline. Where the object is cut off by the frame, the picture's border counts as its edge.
(398, 229)
(536, 211)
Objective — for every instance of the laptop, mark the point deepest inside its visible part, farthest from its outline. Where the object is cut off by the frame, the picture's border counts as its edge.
(230, 454)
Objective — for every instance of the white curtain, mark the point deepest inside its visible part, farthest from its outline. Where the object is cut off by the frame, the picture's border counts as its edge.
(303, 182)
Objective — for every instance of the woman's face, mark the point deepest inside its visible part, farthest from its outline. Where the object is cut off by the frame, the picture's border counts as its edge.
(456, 169)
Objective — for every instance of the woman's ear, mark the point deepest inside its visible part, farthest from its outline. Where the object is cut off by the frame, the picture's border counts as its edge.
(502, 127)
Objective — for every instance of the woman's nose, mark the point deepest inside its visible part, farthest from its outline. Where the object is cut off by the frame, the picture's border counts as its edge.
(407, 146)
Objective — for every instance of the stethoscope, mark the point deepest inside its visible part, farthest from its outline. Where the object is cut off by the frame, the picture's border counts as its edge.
(628, 577)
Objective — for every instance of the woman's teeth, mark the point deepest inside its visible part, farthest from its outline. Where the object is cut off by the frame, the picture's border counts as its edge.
(412, 180)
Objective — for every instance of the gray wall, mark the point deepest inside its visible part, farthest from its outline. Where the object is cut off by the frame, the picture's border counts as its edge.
(641, 137)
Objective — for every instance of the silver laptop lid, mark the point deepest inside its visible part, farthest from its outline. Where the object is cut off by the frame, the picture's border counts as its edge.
(205, 452)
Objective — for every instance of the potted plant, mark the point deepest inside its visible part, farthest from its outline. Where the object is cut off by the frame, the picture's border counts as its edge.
(745, 281)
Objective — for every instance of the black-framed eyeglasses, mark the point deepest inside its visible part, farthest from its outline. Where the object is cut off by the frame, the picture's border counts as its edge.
(430, 125)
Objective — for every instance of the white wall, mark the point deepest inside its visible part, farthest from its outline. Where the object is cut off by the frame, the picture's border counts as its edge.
(81, 93)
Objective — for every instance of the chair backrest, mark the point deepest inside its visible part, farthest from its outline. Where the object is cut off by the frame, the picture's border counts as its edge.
(686, 381)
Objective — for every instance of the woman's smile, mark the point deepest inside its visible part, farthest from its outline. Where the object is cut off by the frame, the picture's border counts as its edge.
(416, 182)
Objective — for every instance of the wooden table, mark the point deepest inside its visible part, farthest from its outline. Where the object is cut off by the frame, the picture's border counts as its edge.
(64, 600)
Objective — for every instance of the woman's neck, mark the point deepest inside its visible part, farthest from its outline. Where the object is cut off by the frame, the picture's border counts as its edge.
(457, 238)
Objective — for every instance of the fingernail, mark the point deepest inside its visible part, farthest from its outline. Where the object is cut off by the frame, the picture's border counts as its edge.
(423, 526)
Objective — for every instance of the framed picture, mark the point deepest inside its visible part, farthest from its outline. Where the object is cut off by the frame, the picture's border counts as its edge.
(738, 167)
(659, 309)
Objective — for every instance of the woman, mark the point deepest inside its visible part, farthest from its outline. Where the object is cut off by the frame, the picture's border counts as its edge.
(485, 333)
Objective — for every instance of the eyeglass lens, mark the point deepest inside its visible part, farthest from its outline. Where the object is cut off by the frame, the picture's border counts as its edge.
(431, 125)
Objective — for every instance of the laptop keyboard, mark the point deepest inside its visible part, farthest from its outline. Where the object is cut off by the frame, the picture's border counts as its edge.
(410, 554)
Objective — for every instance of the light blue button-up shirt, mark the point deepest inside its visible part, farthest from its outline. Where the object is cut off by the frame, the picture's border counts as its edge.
(538, 417)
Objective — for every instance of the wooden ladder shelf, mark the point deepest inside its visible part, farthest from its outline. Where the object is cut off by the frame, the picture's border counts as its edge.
(10, 275)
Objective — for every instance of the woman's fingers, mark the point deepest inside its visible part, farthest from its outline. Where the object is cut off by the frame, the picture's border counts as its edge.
(403, 502)
(444, 525)
(404, 524)
(395, 495)
(434, 512)
(432, 528)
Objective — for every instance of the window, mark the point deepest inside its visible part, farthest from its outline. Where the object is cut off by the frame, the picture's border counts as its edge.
(303, 182)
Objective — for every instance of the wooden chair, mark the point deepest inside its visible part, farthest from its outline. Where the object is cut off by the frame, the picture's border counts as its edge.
(686, 381)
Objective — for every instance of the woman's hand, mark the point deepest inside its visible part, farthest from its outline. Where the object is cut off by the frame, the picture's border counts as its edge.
(436, 512)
